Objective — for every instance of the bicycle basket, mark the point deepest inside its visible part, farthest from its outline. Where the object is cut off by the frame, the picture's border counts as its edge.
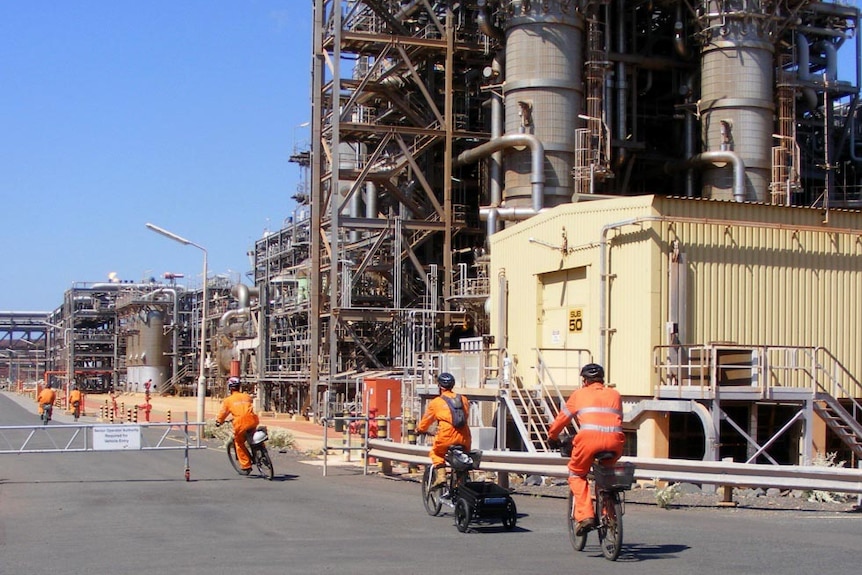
(461, 460)
(620, 476)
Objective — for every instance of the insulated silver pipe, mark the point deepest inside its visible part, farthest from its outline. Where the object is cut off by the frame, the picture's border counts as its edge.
(537, 173)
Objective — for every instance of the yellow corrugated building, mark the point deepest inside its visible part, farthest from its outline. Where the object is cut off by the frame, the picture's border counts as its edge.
(614, 280)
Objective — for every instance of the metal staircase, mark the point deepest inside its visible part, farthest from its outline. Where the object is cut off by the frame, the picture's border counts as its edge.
(533, 410)
(840, 421)
(172, 386)
(532, 415)
(833, 381)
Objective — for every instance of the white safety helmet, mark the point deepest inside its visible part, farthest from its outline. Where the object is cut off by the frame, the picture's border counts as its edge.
(259, 436)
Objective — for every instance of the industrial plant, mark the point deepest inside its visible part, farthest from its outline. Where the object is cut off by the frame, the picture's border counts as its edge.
(509, 189)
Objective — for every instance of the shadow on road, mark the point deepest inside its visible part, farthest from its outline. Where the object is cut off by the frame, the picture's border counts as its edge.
(636, 552)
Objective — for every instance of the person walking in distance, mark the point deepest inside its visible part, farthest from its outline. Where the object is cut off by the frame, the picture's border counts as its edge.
(239, 405)
(449, 410)
(598, 411)
(75, 401)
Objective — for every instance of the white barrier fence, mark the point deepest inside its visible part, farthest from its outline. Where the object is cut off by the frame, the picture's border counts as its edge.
(722, 473)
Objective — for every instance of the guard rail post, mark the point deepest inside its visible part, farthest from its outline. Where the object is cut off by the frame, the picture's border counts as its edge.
(727, 491)
(411, 439)
(345, 436)
(859, 497)
(382, 434)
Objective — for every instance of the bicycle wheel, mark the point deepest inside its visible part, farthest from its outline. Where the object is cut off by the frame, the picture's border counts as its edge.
(431, 495)
(578, 541)
(264, 463)
(463, 515)
(611, 525)
(231, 455)
(511, 516)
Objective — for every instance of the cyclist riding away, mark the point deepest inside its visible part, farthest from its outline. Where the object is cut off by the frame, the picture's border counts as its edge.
(598, 411)
(239, 404)
(75, 401)
(449, 410)
(46, 400)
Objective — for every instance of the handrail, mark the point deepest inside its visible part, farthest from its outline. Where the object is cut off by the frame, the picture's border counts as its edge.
(836, 479)
(850, 394)
(800, 367)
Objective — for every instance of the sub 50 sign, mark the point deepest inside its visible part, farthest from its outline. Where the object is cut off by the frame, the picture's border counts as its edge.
(576, 319)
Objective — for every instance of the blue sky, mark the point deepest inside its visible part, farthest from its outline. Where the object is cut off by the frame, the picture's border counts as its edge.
(117, 113)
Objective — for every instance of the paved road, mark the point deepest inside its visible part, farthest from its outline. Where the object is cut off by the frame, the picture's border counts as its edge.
(133, 513)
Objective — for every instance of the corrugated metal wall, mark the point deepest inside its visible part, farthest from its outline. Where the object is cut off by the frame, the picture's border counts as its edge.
(777, 276)
(757, 275)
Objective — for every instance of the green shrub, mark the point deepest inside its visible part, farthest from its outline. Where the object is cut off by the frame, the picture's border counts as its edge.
(820, 496)
(665, 496)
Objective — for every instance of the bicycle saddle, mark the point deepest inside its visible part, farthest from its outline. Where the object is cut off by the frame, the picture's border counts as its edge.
(602, 455)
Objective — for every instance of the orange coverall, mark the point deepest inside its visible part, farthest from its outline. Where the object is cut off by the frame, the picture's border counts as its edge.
(438, 410)
(239, 404)
(74, 395)
(599, 413)
(47, 395)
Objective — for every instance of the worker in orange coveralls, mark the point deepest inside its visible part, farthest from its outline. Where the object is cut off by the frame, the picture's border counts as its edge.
(75, 401)
(239, 404)
(598, 411)
(442, 409)
(46, 398)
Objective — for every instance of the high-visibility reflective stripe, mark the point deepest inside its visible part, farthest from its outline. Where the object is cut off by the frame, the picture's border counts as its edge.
(602, 428)
(610, 410)
(566, 410)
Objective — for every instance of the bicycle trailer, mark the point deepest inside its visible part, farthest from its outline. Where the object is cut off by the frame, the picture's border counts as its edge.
(483, 501)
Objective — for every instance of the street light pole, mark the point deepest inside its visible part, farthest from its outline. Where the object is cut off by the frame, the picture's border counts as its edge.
(202, 380)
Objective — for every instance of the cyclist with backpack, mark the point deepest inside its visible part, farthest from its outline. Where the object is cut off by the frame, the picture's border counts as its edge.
(449, 410)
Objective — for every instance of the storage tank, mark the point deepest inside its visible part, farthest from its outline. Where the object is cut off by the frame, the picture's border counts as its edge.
(153, 361)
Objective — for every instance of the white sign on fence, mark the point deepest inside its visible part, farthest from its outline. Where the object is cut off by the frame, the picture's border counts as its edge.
(116, 437)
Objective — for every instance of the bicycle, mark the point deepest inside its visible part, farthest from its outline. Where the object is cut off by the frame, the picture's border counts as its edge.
(256, 442)
(47, 411)
(609, 484)
(76, 409)
(471, 500)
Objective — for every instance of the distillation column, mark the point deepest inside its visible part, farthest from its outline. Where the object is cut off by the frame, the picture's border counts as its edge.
(544, 94)
(737, 96)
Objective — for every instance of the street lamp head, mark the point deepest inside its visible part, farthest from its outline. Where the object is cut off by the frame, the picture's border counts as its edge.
(168, 234)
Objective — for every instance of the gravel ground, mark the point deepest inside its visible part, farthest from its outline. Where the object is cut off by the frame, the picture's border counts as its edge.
(687, 495)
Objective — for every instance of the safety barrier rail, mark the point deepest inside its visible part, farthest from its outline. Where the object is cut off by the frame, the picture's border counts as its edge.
(723, 473)
(99, 437)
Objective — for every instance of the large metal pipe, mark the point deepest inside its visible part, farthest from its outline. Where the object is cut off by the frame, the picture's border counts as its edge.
(537, 173)
(713, 158)
(621, 120)
(803, 67)
(483, 19)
